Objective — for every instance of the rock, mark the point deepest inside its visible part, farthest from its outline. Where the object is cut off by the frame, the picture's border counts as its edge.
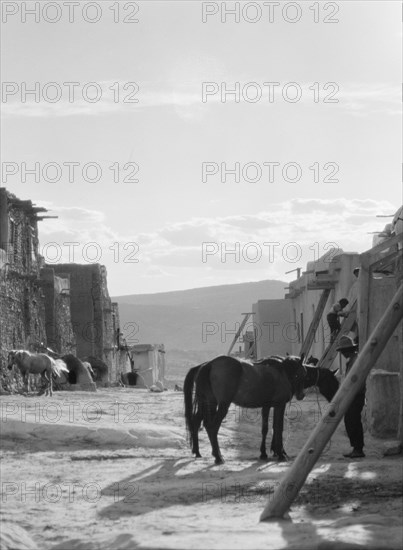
(392, 448)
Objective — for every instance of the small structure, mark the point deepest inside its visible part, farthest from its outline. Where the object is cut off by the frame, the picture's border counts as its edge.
(78, 377)
(148, 362)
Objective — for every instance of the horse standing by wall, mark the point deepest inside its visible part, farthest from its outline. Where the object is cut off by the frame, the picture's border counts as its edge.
(226, 380)
(37, 363)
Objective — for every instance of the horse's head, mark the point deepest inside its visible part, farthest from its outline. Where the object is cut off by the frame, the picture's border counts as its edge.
(296, 372)
(328, 383)
(16, 357)
(11, 359)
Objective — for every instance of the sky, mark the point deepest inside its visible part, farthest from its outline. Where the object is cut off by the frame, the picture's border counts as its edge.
(156, 170)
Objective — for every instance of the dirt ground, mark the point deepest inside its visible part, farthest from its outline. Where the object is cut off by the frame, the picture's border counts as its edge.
(112, 469)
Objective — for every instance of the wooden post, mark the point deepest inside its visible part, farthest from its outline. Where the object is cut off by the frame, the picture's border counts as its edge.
(364, 283)
(303, 464)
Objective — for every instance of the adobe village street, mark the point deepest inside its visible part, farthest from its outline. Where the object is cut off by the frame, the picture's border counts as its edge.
(113, 469)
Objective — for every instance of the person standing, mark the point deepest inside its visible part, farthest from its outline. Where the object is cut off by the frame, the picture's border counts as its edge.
(352, 418)
(333, 318)
(352, 297)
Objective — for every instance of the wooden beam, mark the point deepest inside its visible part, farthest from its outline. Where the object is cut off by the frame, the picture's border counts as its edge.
(310, 337)
(320, 285)
(294, 479)
(373, 253)
(385, 260)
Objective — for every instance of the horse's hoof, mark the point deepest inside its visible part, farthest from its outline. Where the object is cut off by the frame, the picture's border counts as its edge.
(264, 457)
(219, 461)
(282, 458)
(198, 455)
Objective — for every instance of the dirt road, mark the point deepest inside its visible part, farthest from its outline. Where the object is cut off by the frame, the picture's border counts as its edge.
(113, 470)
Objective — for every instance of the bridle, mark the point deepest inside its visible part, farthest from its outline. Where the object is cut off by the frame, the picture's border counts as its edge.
(317, 379)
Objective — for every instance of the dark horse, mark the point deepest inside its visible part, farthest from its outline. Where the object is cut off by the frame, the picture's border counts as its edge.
(324, 379)
(225, 380)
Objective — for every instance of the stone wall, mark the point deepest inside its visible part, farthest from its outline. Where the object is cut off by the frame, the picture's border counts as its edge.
(22, 307)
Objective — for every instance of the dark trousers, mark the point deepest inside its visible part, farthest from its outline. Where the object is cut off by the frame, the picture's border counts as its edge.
(352, 421)
(334, 325)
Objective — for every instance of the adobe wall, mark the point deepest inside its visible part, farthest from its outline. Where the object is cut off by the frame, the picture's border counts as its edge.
(274, 333)
(84, 307)
(59, 330)
(304, 304)
(95, 318)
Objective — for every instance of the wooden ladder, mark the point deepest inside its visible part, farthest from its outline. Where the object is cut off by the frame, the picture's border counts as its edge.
(329, 356)
(239, 331)
(310, 337)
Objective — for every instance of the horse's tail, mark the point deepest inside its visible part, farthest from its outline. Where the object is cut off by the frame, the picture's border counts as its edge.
(190, 398)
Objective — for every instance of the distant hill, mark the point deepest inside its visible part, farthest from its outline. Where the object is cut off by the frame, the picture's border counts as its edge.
(177, 319)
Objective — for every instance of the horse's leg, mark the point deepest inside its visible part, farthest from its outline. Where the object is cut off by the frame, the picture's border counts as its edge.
(45, 384)
(50, 382)
(278, 425)
(212, 430)
(209, 407)
(26, 376)
(265, 429)
(197, 420)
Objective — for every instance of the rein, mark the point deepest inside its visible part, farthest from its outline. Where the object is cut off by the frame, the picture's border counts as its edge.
(317, 393)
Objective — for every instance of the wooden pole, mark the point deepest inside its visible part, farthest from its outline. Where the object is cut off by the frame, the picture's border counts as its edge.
(294, 479)
(238, 332)
(364, 285)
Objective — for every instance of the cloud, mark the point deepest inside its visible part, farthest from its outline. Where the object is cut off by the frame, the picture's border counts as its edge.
(373, 98)
(115, 97)
(157, 272)
(220, 249)
(184, 95)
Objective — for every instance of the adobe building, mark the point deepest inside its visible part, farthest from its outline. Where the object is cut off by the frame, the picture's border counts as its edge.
(95, 318)
(23, 298)
(333, 272)
(64, 307)
(369, 294)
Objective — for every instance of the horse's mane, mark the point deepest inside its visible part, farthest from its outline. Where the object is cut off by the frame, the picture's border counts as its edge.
(272, 361)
